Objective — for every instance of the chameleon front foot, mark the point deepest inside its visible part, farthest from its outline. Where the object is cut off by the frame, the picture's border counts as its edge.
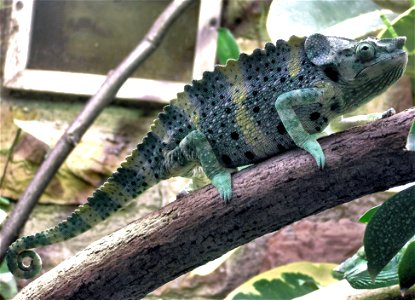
(314, 148)
(223, 183)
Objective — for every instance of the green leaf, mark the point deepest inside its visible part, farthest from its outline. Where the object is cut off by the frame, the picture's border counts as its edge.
(367, 216)
(406, 270)
(410, 142)
(389, 229)
(283, 281)
(292, 285)
(403, 25)
(227, 46)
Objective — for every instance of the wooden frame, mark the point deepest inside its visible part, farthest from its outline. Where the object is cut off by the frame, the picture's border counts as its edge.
(18, 76)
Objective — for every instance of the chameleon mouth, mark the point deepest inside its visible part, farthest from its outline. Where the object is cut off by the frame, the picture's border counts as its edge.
(397, 60)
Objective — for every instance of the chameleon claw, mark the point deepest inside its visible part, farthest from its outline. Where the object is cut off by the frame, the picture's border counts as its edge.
(314, 148)
(222, 182)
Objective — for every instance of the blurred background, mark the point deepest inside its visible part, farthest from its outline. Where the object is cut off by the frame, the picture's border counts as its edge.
(55, 54)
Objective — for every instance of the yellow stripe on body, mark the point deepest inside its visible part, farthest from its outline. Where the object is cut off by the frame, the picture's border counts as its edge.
(294, 63)
(252, 134)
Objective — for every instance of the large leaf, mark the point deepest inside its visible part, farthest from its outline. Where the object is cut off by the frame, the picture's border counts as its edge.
(283, 280)
(350, 19)
(406, 269)
(389, 230)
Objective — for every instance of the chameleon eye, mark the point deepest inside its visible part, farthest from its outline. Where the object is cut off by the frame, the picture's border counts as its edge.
(365, 51)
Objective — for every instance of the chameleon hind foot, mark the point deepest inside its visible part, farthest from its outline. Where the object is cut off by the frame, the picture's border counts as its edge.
(223, 183)
(196, 147)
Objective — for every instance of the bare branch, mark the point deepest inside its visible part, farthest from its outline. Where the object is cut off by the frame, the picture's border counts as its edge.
(74, 133)
(147, 253)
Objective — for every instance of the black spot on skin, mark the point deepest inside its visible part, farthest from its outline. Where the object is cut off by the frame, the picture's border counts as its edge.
(234, 135)
(318, 128)
(249, 155)
(314, 116)
(210, 131)
(265, 78)
(226, 159)
(228, 110)
(222, 124)
(203, 115)
(335, 106)
(281, 128)
(332, 73)
(255, 93)
(255, 109)
(282, 79)
(278, 69)
(258, 122)
(325, 120)
(301, 77)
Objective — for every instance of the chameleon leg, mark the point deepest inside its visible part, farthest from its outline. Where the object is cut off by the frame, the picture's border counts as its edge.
(195, 146)
(285, 104)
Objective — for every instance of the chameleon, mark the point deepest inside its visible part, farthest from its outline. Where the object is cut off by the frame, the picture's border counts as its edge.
(275, 99)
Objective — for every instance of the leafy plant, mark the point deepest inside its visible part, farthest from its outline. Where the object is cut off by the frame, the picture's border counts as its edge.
(390, 228)
(388, 256)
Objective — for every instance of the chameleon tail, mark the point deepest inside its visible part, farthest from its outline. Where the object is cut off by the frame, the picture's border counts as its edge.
(146, 166)
(141, 170)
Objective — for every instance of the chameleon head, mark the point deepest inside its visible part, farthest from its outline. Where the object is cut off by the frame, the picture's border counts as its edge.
(369, 66)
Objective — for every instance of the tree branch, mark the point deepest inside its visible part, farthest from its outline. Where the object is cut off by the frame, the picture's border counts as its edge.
(200, 227)
(75, 131)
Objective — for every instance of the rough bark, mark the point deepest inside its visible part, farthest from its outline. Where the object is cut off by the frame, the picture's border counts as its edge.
(151, 251)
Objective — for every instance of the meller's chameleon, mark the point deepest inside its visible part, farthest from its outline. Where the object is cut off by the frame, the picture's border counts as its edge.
(241, 113)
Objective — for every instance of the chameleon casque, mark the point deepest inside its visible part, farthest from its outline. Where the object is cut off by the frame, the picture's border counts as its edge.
(241, 113)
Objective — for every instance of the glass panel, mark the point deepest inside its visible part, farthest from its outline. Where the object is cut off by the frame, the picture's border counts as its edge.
(94, 36)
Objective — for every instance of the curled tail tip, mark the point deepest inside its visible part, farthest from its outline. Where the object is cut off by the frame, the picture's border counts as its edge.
(19, 267)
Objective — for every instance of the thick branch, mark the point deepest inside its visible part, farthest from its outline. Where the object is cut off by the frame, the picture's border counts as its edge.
(200, 227)
(74, 133)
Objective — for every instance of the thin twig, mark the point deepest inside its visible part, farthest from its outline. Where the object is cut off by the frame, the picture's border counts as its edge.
(9, 155)
(73, 134)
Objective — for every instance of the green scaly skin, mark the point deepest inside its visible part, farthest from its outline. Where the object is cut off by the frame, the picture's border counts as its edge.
(263, 104)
